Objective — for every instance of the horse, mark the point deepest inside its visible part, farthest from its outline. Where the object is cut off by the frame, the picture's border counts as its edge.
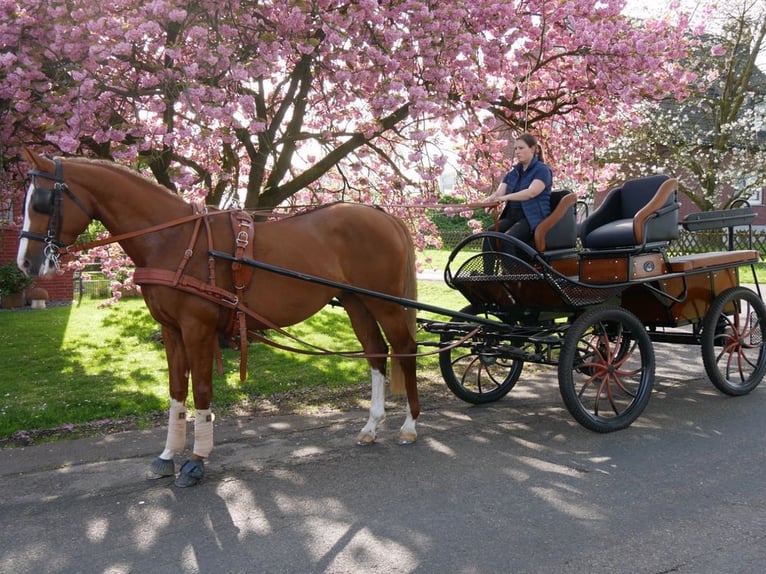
(200, 300)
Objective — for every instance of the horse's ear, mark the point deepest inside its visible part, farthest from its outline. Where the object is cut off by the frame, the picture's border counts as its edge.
(36, 160)
(27, 155)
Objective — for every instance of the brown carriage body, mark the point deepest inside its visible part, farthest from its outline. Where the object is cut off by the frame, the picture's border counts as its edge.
(595, 312)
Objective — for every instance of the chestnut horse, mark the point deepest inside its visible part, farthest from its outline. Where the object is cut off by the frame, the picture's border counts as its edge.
(198, 299)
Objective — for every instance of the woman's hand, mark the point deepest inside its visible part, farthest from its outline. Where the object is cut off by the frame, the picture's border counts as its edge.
(493, 204)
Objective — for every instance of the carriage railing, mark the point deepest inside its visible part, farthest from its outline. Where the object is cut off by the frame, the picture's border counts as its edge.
(727, 219)
(528, 277)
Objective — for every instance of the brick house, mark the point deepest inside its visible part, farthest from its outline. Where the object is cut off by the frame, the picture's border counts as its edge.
(60, 287)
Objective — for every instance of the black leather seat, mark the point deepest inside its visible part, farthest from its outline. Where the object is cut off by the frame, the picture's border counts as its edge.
(641, 214)
(554, 237)
(558, 231)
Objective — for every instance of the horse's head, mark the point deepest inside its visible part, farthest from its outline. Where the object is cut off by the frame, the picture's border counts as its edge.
(53, 216)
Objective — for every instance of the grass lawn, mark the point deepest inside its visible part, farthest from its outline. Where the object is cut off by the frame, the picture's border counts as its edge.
(69, 366)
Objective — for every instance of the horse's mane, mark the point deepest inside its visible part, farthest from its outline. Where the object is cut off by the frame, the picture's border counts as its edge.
(130, 172)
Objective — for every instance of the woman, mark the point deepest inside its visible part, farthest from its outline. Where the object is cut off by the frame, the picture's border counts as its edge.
(526, 189)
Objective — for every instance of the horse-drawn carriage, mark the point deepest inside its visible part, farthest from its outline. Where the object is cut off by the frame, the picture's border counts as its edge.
(594, 310)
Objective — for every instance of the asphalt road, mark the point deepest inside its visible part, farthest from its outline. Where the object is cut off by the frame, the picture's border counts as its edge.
(514, 487)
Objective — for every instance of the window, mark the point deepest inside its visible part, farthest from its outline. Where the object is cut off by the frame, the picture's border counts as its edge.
(6, 210)
(753, 193)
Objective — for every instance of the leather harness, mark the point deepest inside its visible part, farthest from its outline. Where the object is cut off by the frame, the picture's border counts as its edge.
(243, 230)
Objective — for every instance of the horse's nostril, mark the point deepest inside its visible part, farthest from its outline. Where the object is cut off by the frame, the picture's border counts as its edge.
(26, 266)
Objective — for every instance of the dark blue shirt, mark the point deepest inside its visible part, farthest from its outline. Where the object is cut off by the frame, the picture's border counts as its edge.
(539, 207)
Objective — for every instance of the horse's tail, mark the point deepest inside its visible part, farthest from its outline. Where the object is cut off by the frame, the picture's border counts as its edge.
(409, 291)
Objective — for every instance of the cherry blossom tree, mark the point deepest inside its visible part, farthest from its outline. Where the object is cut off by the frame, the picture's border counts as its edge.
(273, 102)
(714, 140)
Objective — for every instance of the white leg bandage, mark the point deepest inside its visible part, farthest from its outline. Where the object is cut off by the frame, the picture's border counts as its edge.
(176, 430)
(377, 407)
(203, 432)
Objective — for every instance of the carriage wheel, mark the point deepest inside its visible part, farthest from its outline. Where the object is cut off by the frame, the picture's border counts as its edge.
(606, 369)
(732, 341)
(475, 372)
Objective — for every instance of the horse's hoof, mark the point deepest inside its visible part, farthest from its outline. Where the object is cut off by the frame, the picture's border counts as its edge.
(161, 468)
(407, 438)
(191, 473)
(365, 439)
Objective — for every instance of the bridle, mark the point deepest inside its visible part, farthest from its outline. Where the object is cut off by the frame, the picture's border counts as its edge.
(49, 201)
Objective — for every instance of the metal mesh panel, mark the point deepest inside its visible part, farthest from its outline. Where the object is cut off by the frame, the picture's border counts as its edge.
(580, 295)
(493, 266)
(521, 277)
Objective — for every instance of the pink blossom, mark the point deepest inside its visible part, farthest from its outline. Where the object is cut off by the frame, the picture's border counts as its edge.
(177, 15)
(218, 94)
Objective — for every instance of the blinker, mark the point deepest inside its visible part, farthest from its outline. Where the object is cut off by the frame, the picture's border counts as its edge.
(42, 200)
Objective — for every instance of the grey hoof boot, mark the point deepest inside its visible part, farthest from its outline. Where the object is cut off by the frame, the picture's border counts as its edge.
(191, 473)
(161, 467)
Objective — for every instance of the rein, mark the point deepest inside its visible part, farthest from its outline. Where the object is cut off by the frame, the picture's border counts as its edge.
(320, 351)
(448, 207)
(74, 248)
(49, 201)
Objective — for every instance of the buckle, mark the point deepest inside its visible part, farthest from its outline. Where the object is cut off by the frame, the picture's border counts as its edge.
(233, 301)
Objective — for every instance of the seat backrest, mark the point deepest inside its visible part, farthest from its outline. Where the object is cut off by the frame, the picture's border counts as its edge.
(641, 213)
(556, 197)
(636, 193)
(559, 229)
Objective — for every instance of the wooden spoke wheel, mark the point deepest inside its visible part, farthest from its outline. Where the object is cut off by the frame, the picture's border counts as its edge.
(606, 369)
(732, 341)
(476, 371)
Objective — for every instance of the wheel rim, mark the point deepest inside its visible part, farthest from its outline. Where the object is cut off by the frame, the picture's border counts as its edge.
(610, 370)
(738, 341)
(482, 373)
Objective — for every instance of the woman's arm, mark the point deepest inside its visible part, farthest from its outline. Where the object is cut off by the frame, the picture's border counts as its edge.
(535, 188)
(499, 193)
